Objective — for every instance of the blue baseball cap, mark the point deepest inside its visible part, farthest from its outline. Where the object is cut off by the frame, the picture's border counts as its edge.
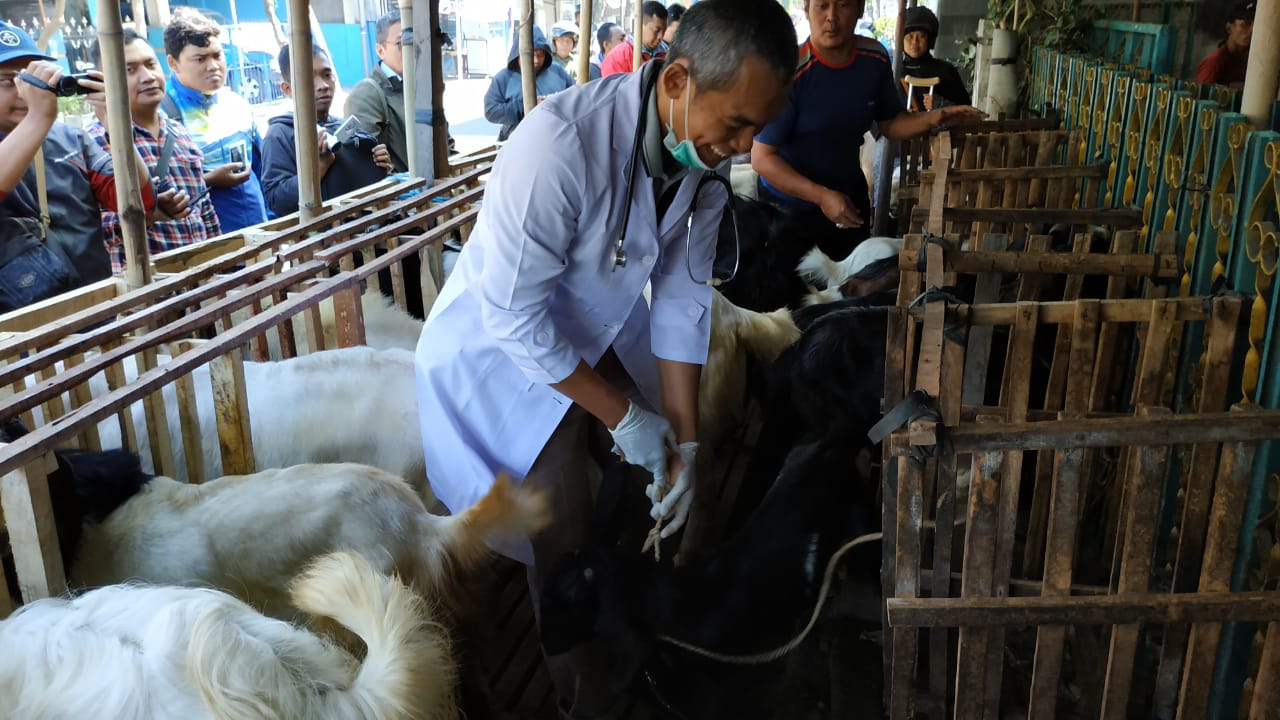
(16, 44)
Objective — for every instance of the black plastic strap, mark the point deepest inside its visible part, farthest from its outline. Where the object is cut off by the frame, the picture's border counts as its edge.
(919, 405)
(914, 406)
(34, 81)
(935, 294)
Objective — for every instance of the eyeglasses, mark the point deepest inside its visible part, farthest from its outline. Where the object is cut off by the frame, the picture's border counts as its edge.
(7, 79)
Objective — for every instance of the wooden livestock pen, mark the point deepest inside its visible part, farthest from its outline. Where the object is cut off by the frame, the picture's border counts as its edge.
(1070, 480)
(85, 357)
(267, 293)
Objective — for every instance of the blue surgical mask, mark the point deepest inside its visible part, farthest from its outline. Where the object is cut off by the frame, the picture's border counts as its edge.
(683, 151)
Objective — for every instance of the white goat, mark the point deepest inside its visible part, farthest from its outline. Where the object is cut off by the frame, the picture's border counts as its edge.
(735, 333)
(386, 326)
(352, 404)
(248, 534)
(191, 653)
(816, 268)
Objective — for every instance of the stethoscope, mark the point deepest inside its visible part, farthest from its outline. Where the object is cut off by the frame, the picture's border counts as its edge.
(619, 251)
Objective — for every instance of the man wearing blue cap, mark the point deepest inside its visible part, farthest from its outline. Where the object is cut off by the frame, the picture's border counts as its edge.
(53, 243)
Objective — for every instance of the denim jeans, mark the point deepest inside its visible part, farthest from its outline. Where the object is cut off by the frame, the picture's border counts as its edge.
(35, 275)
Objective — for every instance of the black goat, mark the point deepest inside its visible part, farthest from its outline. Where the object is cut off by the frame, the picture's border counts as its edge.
(771, 246)
(86, 487)
(752, 595)
(828, 385)
(12, 429)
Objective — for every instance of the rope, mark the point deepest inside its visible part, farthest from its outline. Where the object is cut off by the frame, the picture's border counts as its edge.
(654, 540)
(770, 656)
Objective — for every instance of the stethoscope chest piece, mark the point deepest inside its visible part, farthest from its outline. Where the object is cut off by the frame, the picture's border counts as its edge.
(619, 258)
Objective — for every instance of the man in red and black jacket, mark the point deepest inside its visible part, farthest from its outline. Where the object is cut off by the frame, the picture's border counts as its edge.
(1227, 64)
(620, 58)
(68, 251)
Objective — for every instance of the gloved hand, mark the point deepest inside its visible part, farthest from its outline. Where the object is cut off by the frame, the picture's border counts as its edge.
(642, 438)
(677, 501)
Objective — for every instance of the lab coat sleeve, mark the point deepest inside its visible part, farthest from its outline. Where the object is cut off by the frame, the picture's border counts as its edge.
(531, 208)
(680, 315)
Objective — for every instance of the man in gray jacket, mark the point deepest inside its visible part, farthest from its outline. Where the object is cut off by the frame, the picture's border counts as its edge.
(377, 101)
(504, 102)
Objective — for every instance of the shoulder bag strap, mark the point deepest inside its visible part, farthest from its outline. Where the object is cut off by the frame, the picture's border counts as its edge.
(42, 192)
(170, 107)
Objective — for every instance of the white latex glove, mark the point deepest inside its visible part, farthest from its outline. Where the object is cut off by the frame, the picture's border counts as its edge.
(676, 502)
(642, 438)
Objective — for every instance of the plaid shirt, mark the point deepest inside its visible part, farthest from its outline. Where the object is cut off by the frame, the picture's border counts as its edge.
(186, 174)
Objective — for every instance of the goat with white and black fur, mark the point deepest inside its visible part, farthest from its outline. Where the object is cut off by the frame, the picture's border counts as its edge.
(248, 534)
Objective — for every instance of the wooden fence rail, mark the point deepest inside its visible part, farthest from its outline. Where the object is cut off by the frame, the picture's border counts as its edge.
(211, 315)
(1200, 169)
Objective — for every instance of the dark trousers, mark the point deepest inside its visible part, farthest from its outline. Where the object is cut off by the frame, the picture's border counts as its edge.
(570, 469)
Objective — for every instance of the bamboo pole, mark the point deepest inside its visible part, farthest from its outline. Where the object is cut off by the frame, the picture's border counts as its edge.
(276, 29)
(439, 126)
(317, 34)
(638, 40)
(304, 110)
(139, 8)
(527, 79)
(584, 44)
(888, 148)
(158, 12)
(133, 217)
(409, 77)
(1260, 80)
(51, 27)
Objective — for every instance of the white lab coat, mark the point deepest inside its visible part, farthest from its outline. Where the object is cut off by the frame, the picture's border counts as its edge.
(535, 290)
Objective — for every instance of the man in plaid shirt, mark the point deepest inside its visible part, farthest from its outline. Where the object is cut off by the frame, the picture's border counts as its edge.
(186, 164)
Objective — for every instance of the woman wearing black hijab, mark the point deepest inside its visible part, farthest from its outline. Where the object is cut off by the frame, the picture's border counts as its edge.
(919, 33)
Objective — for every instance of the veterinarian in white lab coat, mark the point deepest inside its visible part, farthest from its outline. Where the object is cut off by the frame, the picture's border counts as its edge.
(538, 335)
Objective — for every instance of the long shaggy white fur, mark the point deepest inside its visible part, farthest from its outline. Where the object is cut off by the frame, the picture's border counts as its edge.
(167, 652)
(248, 534)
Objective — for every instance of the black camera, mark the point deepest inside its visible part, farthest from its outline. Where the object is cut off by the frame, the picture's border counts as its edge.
(70, 85)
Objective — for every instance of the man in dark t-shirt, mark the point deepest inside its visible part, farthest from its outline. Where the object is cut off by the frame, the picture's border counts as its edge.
(807, 158)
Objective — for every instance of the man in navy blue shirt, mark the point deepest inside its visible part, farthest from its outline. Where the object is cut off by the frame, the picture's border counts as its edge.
(807, 158)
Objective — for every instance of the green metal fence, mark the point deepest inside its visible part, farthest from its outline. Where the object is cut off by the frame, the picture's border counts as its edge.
(1184, 154)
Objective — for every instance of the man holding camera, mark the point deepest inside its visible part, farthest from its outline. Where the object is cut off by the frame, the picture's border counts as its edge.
(349, 158)
(54, 179)
(166, 148)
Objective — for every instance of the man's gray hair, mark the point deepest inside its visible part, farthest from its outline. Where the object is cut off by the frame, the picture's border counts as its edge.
(384, 24)
(717, 36)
